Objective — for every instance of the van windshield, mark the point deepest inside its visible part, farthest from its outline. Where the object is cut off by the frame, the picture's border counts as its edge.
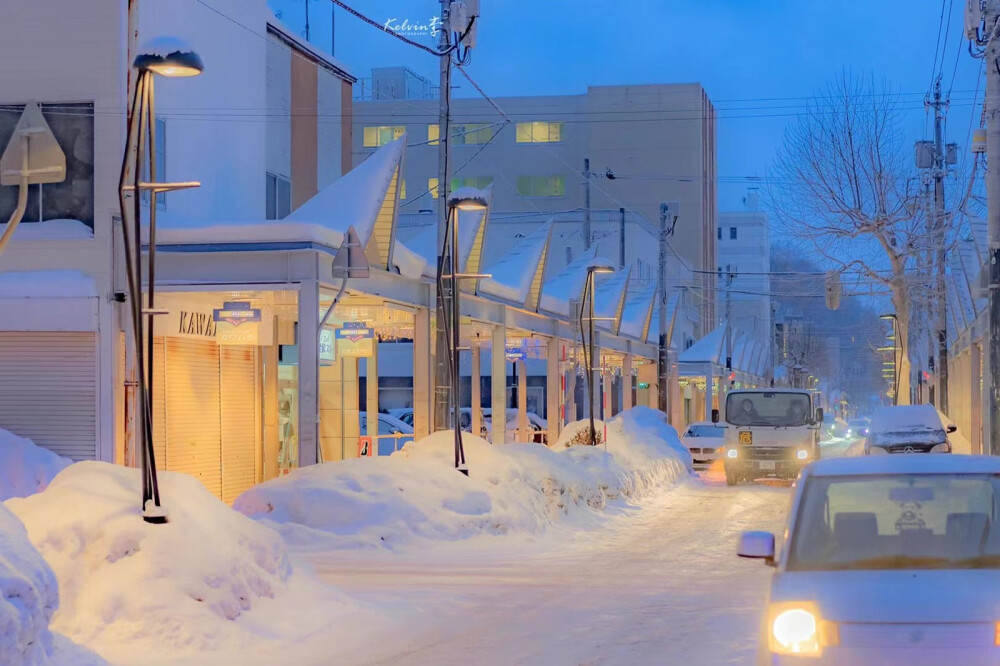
(767, 408)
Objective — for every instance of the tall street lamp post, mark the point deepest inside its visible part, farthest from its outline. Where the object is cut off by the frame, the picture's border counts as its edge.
(449, 265)
(596, 266)
(164, 57)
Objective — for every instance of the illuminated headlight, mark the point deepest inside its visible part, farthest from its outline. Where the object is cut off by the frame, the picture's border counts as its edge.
(732, 453)
(942, 448)
(802, 454)
(996, 635)
(849, 431)
(797, 629)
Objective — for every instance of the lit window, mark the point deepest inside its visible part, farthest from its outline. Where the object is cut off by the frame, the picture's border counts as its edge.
(539, 132)
(541, 186)
(473, 134)
(478, 182)
(432, 185)
(433, 134)
(278, 197)
(380, 136)
(732, 233)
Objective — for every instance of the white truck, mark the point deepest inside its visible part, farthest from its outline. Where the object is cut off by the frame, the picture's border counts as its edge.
(769, 432)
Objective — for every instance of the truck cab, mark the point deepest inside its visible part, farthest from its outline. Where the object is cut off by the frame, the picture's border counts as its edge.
(769, 432)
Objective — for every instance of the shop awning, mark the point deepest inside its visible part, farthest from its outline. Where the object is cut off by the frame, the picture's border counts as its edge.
(567, 285)
(609, 299)
(638, 312)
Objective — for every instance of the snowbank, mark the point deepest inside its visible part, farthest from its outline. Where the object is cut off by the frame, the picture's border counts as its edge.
(209, 580)
(28, 597)
(391, 502)
(24, 467)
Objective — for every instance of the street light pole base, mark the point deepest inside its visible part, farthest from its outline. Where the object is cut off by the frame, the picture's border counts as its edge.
(154, 514)
(155, 520)
(463, 470)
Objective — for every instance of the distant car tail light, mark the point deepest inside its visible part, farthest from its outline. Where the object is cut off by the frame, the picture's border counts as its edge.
(942, 448)
(732, 453)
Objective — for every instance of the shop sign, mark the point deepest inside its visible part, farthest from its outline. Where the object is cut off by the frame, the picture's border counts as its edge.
(642, 385)
(356, 339)
(515, 353)
(197, 324)
(237, 323)
(327, 351)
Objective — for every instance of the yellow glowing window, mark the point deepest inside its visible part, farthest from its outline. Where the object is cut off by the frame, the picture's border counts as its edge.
(478, 182)
(472, 134)
(541, 186)
(381, 135)
(432, 185)
(433, 134)
(539, 132)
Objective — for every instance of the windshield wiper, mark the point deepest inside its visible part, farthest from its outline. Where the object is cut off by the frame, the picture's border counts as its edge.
(891, 562)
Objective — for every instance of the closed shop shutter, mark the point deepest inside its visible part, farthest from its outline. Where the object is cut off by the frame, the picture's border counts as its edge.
(192, 404)
(48, 390)
(240, 420)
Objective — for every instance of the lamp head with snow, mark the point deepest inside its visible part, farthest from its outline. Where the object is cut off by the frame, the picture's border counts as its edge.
(169, 56)
(468, 199)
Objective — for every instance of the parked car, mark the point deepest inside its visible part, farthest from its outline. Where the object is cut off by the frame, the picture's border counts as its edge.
(885, 560)
(907, 429)
(393, 433)
(405, 414)
(705, 441)
(536, 424)
(858, 427)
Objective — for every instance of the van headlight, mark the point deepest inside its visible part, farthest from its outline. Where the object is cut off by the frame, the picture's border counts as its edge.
(944, 447)
(797, 629)
(801, 454)
(732, 453)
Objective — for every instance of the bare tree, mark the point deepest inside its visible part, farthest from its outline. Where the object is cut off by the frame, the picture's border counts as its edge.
(842, 184)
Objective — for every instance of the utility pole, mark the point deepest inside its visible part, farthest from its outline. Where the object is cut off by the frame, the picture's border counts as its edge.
(663, 369)
(940, 237)
(442, 369)
(586, 203)
(730, 275)
(993, 218)
(621, 239)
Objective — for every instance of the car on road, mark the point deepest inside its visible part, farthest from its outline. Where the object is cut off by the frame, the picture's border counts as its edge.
(393, 433)
(704, 441)
(886, 560)
(908, 429)
(858, 427)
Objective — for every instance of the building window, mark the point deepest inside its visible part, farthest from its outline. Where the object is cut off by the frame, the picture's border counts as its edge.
(732, 233)
(720, 233)
(432, 186)
(279, 196)
(539, 132)
(473, 134)
(541, 186)
(402, 188)
(161, 164)
(433, 134)
(478, 182)
(380, 136)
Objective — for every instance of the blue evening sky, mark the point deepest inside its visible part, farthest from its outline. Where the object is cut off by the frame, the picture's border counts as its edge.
(757, 59)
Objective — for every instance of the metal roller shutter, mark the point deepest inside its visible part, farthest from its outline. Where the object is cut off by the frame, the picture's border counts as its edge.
(48, 390)
(240, 420)
(192, 410)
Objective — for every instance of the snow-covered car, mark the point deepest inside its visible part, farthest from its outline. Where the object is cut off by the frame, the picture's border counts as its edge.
(536, 424)
(393, 433)
(405, 414)
(886, 560)
(907, 429)
(705, 441)
(858, 427)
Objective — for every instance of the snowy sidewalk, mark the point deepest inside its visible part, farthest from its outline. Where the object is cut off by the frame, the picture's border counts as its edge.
(660, 584)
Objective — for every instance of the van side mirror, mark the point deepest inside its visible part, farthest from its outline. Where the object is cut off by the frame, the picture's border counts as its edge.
(715, 416)
(756, 546)
(819, 414)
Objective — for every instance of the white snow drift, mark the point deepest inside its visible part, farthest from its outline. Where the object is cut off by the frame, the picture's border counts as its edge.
(29, 596)
(209, 580)
(391, 501)
(26, 468)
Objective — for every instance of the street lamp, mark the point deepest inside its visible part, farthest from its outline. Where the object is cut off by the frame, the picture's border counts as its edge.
(467, 199)
(596, 266)
(170, 57)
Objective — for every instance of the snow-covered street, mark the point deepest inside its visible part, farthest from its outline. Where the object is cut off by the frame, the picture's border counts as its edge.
(658, 584)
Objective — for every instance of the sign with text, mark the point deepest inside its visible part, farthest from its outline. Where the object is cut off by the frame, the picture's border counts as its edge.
(356, 340)
(237, 323)
(327, 350)
(515, 353)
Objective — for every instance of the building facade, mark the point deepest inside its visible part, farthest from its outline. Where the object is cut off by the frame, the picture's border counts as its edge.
(646, 144)
(744, 244)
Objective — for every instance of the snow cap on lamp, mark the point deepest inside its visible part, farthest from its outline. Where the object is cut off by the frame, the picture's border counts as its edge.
(169, 56)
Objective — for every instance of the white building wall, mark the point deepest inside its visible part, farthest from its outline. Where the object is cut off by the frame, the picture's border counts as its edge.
(279, 107)
(749, 256)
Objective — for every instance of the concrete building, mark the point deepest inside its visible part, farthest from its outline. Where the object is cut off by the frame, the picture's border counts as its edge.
(646, 144)
(744, 249)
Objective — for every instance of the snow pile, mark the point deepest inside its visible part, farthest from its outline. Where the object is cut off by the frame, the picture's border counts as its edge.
(208, 580)
(28, 597)
(390, 502)
(24, 467)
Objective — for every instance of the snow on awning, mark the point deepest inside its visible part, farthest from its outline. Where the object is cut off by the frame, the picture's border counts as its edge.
(517, 276)
(47, 284)
(609, 299)
(62, 229)
(567, 285)
(706, 350)
(181, 232)
(367, 198)
(411, 264)
(638, 311)
(471, 234)
(673, 307)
